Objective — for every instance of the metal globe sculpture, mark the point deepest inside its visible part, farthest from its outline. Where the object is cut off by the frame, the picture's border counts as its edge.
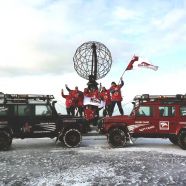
(92, 60)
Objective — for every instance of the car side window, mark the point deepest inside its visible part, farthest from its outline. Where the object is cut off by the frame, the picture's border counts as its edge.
(166, 111)
(144, 111)
(41, 110)
(183, 111)
(22, 110)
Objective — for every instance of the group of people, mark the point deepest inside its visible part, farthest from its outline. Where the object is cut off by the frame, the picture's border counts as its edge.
(111, 97)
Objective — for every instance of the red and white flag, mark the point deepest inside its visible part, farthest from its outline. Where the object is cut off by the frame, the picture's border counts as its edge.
(133, 60)
(136, 61)
(93, 101)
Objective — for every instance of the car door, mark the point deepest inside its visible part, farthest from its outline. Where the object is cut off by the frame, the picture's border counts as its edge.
(21, 119)
(182, 116)
(44, 122)
(167, 119)
(144, 120)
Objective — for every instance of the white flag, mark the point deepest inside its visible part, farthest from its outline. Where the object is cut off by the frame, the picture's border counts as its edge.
(93, 101)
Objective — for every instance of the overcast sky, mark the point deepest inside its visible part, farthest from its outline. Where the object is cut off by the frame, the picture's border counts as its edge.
(38, 39)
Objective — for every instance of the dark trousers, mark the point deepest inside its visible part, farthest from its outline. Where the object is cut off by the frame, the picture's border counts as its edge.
(71, 111)
(79, 111)
(119, 106)
(107, 110)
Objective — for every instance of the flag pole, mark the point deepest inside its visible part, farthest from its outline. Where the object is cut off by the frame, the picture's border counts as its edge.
(122, 76)
(123, 73)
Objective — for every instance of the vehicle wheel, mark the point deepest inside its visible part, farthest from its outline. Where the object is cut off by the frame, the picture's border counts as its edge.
(72, 138)
(117, 138)
(174, 140)
(182, 140)
(5, 140)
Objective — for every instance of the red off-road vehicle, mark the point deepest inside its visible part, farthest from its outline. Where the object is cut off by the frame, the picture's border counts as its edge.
(151, 117)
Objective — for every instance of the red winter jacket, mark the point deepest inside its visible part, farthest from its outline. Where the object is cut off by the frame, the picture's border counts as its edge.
(89, 114)
(105, 96)
(86, 92)
(70, 102)
(78, 97)
(94, 94)
(115, 91)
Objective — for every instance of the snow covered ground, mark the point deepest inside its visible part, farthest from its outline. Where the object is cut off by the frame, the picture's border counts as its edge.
(44, 163)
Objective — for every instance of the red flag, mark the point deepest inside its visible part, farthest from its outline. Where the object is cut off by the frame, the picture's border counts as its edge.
(130, 65)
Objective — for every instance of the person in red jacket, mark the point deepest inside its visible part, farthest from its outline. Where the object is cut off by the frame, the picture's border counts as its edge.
(91, 114)
(86, 92)
(116, 96)
(79, 103)
(78, 97)
(94, 93)
(70, 103)
(105, 96)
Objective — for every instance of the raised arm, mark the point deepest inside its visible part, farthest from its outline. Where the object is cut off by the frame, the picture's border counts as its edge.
(122, 82)
(62, 94)
(68, 89)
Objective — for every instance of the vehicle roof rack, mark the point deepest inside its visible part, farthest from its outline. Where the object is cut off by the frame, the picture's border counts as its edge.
(24, 98)
(147, 97)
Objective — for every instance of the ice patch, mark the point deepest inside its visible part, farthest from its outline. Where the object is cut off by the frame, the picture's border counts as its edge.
(80, 175)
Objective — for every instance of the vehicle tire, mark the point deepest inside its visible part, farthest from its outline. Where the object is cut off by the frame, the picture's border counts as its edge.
(72, 137)
(5, 140)
(117, 138)
(174, 140)
(182, 140)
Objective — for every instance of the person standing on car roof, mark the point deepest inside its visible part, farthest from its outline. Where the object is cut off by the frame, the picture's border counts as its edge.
(105, 96)
(116, 96)
(80, 104)
(94, 93)
(78, 97)
(70, 103)
(86, 92)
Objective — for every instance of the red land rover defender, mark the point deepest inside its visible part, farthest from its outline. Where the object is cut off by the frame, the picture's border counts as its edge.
(153, 116)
